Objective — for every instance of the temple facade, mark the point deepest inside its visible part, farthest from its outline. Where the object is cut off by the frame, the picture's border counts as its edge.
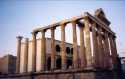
(95, 27)
(96, 58)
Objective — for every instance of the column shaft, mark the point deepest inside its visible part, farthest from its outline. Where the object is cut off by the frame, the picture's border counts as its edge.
(88, 43)
(63, 53)
(107, 51)
(19, 38)
(52, 48)
(43, 51)
(114, 45)
(95, 47)
(113, 50)
(100, 49)
(115, 55)
(75, 53)
(26, 55)
(82, 48)
(34, 44)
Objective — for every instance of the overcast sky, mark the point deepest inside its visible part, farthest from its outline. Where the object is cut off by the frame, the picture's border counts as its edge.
(21, 17)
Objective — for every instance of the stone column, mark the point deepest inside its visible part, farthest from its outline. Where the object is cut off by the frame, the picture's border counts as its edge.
(63, 53)
(53, 48)
(43, 51)
(88, 43)
(19, 38)
(114, 45)
(34, 50)
(75, 50)
(113, 49)
(107, 51)
(26, 55)
(82, 48)
(115, 55)
(95, 46)
(100, 48)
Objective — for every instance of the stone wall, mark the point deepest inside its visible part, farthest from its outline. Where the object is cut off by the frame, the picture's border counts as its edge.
(70, 74)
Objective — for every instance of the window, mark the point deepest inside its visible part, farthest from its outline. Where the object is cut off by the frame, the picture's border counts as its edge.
(57, 48)
(72, 51)
(67, 50)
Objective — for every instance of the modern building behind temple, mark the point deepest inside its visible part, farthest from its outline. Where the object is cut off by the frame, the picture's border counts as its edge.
(8, 64)
(69, 54)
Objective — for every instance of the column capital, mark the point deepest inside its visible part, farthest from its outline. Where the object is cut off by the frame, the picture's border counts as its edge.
(43, 31)
(106, 34)
(100, 31)
(26, 39)
(63, 23)
(34, 33)
(95, 25)
(86, 16)
(73, 23)
(52, 28)
(19, 37)
(95, 30)
(74, 20)
(112, 36)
